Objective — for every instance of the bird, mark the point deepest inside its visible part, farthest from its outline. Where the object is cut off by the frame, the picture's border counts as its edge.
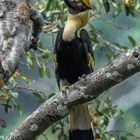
(74, 57)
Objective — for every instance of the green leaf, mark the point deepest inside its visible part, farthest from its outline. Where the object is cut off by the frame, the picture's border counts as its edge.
(30, 58)
(51, 95)
(13, 82)
(14, 94)
(109, 56)
(41, 67)
(6, 107)
(24, 78)
(42, 71)
(37, 94)
(123, 138)
(40, 96)
(19, 109)
(46, 55)
(125, 48)
(115, 5)
(132, 40)
(106, 6)
(48, 72)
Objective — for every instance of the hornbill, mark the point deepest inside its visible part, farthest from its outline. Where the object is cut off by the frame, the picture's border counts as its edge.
(73, 58)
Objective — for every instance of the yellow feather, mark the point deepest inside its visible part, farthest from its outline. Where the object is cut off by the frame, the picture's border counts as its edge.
(90, 62)
(55, 60)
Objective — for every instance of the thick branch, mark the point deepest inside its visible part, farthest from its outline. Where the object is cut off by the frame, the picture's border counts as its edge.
(84, 90)
(15, 29)
(17, 23)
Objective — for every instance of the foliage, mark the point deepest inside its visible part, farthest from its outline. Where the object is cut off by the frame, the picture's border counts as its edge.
(55, 13)
(8, 95)
(102, 111)
(61, 129)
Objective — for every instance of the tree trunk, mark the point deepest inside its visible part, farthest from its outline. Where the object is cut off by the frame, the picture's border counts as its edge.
(17, 23)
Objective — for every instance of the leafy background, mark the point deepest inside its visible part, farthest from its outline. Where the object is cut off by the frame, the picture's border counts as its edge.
(111, 22)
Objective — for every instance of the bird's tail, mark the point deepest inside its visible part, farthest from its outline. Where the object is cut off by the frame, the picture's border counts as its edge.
(80, 125)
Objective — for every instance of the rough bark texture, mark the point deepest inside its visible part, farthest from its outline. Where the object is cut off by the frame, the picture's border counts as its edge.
(82, 91)
(17, 22)
(14, 34)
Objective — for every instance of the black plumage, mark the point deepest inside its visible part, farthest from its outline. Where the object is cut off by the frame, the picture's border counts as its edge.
(81, 135)
(73, 58)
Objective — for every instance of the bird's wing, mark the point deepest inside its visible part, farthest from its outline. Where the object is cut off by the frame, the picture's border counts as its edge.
(86, 42)
(55, 53)
(58, 39)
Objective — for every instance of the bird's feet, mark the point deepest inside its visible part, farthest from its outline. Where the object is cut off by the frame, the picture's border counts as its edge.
(65, 89)
(82, 77)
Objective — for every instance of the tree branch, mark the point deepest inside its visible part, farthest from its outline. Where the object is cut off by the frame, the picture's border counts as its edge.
(86, 89)
(18, 22)
(110, 45)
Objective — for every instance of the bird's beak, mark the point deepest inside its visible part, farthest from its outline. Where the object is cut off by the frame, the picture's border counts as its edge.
(74, 6)
(87, 3)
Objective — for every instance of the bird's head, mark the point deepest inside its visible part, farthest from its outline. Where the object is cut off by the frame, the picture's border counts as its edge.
(78, 6)
(78, 17)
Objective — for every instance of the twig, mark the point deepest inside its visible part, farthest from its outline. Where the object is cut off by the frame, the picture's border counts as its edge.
(121, 27)
(29, 89)
(110, 45)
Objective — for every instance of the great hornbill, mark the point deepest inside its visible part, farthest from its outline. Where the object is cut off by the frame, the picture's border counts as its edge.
(73, 57)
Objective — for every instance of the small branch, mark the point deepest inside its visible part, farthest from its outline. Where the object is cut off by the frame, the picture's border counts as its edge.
(107, 43)
(120, 27)
(28, 89)
(86, 89)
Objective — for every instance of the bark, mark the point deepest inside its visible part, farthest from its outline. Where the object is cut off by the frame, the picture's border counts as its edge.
(84, 90)
(17, 25)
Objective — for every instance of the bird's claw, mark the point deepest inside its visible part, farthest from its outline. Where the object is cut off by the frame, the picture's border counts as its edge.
(65, 89)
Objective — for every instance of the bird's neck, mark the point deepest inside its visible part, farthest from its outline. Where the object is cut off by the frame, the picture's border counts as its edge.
(74, 22)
